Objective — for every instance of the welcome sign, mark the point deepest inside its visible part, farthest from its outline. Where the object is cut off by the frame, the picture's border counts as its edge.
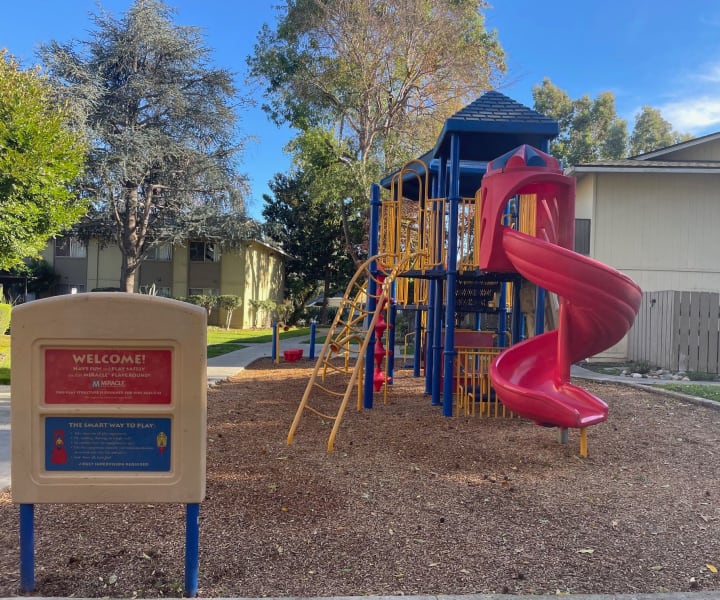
(108, 400)
(99, 376)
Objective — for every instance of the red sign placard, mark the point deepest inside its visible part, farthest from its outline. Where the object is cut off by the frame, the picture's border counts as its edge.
(108, 376)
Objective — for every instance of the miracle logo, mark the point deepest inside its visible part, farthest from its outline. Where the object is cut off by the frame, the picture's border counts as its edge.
(108, 383)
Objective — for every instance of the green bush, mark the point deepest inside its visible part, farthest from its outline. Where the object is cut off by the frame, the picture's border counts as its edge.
(5, 310)
(206, 301)
(229, 302)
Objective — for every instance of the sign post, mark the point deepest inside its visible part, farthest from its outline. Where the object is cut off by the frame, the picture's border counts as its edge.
(108, 404)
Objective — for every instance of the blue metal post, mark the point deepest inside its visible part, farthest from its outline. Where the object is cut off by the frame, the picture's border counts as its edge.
(430, 336)
(192, 549)
(27, 548)
(517, 314)
(273, 351)
(391, 340)
(539, 310)
(418, 343)
(313, 330)
(430, 333)
(437, 343)
(502, 316)
(454, 200)
(371, 293)
(439, 217)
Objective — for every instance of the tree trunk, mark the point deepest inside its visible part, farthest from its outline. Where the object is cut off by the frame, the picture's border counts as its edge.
(129, 239)
(326, 291)
(349, 248)
(127, 277)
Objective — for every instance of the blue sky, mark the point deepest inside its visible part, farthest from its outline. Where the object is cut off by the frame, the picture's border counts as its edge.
(662, 53)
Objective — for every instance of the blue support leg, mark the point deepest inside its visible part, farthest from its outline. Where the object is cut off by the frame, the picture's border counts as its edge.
(273, 351)
(313, 328)
(418, 343)
(192, 549)
(517, 315)
(437, 346)
(451, 280)
(539, 311)
(372, 290)
(27, 548)
(391, 343)
(429, 337)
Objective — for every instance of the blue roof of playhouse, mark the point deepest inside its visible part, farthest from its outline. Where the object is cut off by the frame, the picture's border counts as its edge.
(488, 127)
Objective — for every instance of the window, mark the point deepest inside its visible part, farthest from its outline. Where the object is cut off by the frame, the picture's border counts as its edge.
(69, 288)
(203, 292)
(204, 252)
(70, 247)
(162, 253)
(163, 291)
(582, 236)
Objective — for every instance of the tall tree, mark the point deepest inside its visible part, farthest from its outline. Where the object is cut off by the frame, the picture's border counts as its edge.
(652, 132)
(381, 75)
(589, 129)
(161, 123)
(306, 226)
(40, 157)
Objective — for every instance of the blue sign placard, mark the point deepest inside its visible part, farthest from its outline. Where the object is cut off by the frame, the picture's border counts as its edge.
(107, 444)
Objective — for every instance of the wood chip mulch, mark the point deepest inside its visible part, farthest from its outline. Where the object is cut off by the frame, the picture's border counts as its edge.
(409, 502)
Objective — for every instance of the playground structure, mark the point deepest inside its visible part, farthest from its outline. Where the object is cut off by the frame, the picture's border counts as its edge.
(470, 238)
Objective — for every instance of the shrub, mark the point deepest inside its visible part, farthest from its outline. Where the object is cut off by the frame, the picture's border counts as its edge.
(229, 302)
(206, 301)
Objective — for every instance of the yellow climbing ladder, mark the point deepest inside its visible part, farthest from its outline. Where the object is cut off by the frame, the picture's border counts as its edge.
(343, 352)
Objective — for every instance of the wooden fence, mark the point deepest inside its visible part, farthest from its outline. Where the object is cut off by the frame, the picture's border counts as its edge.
(677, 331)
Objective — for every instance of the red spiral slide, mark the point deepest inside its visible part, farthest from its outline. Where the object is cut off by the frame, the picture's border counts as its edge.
(597, 308)
(598, 304)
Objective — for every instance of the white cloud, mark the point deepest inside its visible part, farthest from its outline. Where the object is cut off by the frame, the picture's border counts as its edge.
(709, 74)
(694, 115)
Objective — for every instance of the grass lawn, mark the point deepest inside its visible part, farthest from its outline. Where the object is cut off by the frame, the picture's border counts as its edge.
(709, 392)
(221, 341)
(4, 359)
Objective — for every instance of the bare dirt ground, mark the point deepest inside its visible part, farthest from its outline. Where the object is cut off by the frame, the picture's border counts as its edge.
(409, 502)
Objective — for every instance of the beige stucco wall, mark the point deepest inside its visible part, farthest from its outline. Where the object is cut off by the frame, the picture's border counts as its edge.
(660, 229)
(264, 279)
(706, 151)
(103, 266)
(232, 275)
(584, 195)
(255, 272)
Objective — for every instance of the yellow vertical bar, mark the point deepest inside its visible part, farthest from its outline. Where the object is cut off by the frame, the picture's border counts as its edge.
(583, 442)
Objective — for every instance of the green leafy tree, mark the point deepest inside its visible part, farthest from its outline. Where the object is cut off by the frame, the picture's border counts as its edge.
(161, 122)
(380, 76)
(589, 129)
(308, 228)
(40, 157)
(652, 132)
